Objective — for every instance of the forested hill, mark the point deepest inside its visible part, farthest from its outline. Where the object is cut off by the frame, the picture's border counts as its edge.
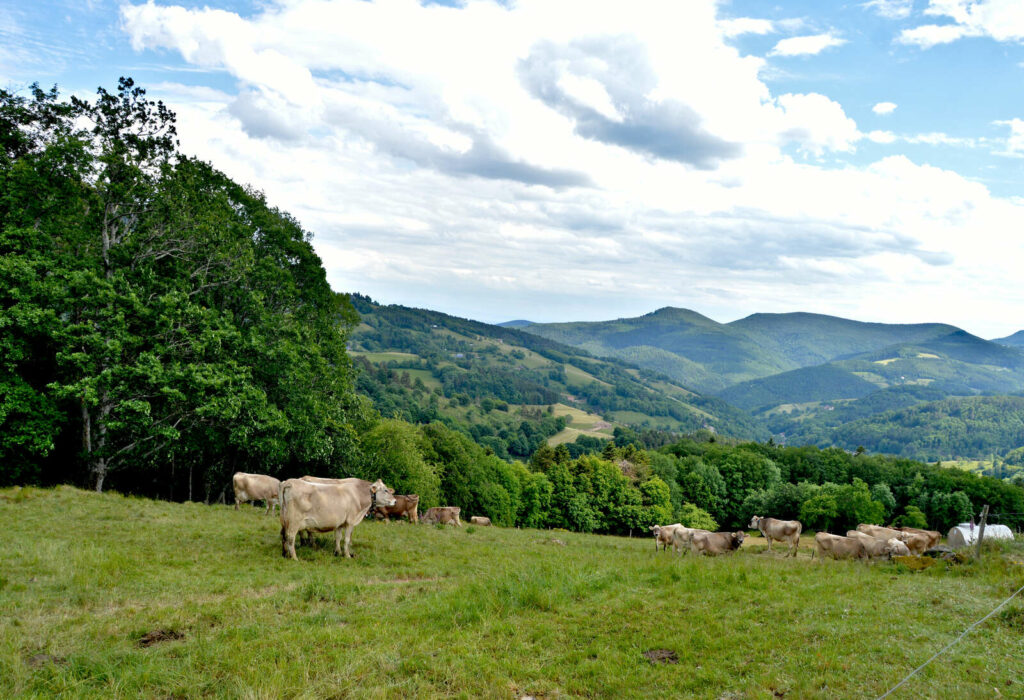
(423, 365)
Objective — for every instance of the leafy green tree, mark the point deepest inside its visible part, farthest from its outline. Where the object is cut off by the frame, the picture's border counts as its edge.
(912, 517)
(692, 516)
(819, 511)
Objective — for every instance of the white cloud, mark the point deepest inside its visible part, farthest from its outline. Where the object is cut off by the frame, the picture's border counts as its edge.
(891, 9)
(1002, 20)
(884, 108)
(806, 45)
(1014, 144)
(745, 25)
(881, 136)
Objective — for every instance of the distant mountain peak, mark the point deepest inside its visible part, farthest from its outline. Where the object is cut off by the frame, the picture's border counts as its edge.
(1016, 340)
(518, 323)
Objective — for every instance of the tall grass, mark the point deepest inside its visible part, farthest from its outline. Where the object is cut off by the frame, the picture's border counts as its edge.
(426, 612)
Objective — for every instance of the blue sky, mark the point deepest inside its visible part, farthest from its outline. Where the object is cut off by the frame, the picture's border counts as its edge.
(572, 160)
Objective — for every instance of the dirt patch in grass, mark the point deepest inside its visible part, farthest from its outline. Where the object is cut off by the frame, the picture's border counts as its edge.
(38, 660)
(157, 636)
(661, 656)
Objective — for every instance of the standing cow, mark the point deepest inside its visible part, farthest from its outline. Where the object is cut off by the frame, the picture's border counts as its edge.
(837, 546)
(319, 507)
(255, 487)
(787, 531)
(406, 505)
(663, 535)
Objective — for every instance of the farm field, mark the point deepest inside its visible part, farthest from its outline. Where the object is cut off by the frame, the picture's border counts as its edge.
(110, 596)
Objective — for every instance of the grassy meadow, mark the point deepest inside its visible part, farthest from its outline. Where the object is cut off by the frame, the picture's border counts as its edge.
(109, 596)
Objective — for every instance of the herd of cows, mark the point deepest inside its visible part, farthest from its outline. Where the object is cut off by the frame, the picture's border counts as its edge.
(866, 542)
(315, 504)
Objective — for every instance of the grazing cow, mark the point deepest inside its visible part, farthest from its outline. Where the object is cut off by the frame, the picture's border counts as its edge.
(715, 543)
(447, 515)
(663, 535)
(898, 549)
(480, 520)
(256, 487)
(787, 531)
(681, 537)
(874, 547)
(404, 505)
(319, 507)
(933, 537)
(837, 546)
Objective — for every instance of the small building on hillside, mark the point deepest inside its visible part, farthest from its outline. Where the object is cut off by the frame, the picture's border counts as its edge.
(966, 534)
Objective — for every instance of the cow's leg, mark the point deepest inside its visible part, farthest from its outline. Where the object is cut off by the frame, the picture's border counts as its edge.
(236, 502)
(270, 504)
(288, 544)
(348, 540)
(769, 542)
(337, 542)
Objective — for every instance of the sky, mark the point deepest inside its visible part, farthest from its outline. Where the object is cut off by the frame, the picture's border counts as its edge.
(582, 160)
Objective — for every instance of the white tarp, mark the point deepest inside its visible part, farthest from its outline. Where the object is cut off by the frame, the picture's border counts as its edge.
(965, 534)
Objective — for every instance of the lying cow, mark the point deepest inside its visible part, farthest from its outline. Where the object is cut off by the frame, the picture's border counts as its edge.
(663, 535)
(322, 507)
(255, 487)
(682, 536)
(787, 531)
(898, 549)
(480, 520)
(446, 515)
(404, 505)
(875, 548)
(933, 537)
(715, 543)
(916, 542)
(837, 546)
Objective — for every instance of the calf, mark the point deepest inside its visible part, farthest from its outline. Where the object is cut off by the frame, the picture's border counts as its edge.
(256, 487)
(319, 507)
(404, 505)
(446, 515)
(480, 520)
(787, 531)
(663, 535)
(837, 547)
(715, 543)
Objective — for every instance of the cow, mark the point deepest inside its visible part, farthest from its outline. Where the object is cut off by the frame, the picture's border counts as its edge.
(319, 507)
(898, 548)
(837, 546)
(663, 535)
(873, 546)
(256, 487)
(404, 505)
(480, 520)
(782, 530)
(933, 537)
(447, 515)
(681, 537)
(715, 543)
(916, 542)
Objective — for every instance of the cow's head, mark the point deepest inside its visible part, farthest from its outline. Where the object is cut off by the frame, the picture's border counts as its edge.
(755, 522)
(656, 529)
(381, 494)
(737, 539)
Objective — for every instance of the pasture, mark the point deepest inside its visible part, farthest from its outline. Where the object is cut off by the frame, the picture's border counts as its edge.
(108, 596)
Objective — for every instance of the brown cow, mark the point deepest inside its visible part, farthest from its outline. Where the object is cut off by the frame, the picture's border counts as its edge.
(480, 520)
(782, 530)
(715, 543)
(682, 536)
(447, 515)
(933, 537)
(873, 546)
(663, 535)
(319, 507)
(837, 546)
(404, 505)
(256, 487)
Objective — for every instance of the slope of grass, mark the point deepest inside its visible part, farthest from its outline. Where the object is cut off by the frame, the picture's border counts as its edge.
(105, 596)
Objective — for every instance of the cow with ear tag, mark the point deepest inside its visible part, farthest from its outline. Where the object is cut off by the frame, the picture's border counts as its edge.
(326, 507)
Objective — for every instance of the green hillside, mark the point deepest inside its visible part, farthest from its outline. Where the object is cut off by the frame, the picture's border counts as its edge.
(1016, 340)
(821, 383)
(422, 365)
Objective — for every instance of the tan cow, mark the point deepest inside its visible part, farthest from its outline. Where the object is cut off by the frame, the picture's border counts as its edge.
(682, 536)
(325, 507)
(480, 520)
(933, 537)
(916, 543)
(663, 535)
(898, 548)
(787, 531)
(404, 505)
(837, 546)
(874, 547)
(255, 487)
(447, 515)
(715, 543)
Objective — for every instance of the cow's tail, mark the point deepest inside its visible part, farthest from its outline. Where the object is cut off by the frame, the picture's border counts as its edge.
(284, 491)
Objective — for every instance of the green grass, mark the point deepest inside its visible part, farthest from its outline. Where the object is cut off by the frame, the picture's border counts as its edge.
(426, 612)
